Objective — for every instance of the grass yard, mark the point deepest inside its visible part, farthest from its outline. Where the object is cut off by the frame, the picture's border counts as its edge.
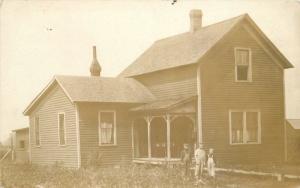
(133, 176)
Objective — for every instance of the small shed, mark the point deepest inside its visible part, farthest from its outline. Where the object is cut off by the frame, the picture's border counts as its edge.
(20, 148)
(293, 140)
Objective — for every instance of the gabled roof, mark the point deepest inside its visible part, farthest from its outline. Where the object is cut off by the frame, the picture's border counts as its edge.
(295, 123)
(188, 48)
(98, 89)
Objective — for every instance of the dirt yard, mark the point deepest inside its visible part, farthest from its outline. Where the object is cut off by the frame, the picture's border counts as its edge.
(136, 176)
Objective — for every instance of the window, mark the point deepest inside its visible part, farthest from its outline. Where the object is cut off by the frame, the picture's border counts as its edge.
(245, 127)
(62, 129)
(107, 128)
(243, 70)
(22, 144)
(37, 131)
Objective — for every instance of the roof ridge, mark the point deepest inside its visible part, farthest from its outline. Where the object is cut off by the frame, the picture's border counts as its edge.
(80, 76)
(229, 19)
(205, 27)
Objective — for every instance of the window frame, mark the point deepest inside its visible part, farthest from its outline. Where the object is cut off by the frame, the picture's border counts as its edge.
(65, 130)
(35, 141)
(114, 127)
(245, 126)
(249, 75)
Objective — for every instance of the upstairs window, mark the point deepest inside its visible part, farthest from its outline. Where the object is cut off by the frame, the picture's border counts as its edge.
(37, 131)
(245, 127)
(243, 72)
(107, 128)
(62, 129)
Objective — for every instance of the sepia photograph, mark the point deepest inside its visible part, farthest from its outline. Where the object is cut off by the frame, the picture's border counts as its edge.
(149, 94)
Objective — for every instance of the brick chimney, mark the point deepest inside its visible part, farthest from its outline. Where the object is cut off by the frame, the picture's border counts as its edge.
(95, 67)
(196, 20)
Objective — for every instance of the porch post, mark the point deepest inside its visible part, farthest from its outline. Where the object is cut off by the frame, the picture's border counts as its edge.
(132, 140)
(149, 135)
(168, 119)
(199, 108)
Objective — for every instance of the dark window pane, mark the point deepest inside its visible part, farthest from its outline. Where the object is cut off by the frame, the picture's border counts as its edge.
(242, 73)
(37, 131)
(22, 144)
(61, 129)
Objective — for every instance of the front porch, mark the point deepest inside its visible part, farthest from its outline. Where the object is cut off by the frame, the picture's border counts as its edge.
(160, 133)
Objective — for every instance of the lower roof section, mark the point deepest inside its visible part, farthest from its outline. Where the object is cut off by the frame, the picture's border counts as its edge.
(97, 89)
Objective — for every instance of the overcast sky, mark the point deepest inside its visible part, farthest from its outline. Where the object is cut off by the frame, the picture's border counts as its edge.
(42, 38)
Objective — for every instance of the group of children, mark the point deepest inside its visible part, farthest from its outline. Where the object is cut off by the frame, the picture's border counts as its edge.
(201, 159)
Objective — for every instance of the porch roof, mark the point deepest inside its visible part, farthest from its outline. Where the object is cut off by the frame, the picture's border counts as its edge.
(166, 104)
(21, 129)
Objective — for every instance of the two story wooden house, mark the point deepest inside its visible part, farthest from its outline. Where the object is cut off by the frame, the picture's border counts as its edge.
(220, 85)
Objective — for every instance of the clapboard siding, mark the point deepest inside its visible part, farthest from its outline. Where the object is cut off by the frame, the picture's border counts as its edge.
(50, 151)
(220, 92)
(89, 145)
(171, 83)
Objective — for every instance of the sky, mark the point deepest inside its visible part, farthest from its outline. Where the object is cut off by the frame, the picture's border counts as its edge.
(42, 38)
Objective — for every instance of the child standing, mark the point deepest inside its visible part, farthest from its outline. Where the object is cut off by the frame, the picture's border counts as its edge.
(200, 157)
(211, 162)
(186, 158)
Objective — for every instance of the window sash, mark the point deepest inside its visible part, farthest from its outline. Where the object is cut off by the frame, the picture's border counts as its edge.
(237, 127)
(248, 134)
(107, 128)
(242, 73)
(243, 57)
(252, 127)
(61, 129)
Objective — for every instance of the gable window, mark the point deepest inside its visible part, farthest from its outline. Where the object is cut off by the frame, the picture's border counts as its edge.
(107, 128)
(243, 70)
(245, 127)
(62, 129)
(37, 131)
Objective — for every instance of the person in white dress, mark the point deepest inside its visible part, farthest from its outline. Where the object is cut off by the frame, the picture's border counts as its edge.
(211, 162)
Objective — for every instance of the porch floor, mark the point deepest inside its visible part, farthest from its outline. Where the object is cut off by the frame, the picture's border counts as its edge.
(156, 160)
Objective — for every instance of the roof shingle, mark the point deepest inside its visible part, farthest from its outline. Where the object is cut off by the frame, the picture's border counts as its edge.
(104, 89)
(178, 50)
(97, 89)
(188, 48)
